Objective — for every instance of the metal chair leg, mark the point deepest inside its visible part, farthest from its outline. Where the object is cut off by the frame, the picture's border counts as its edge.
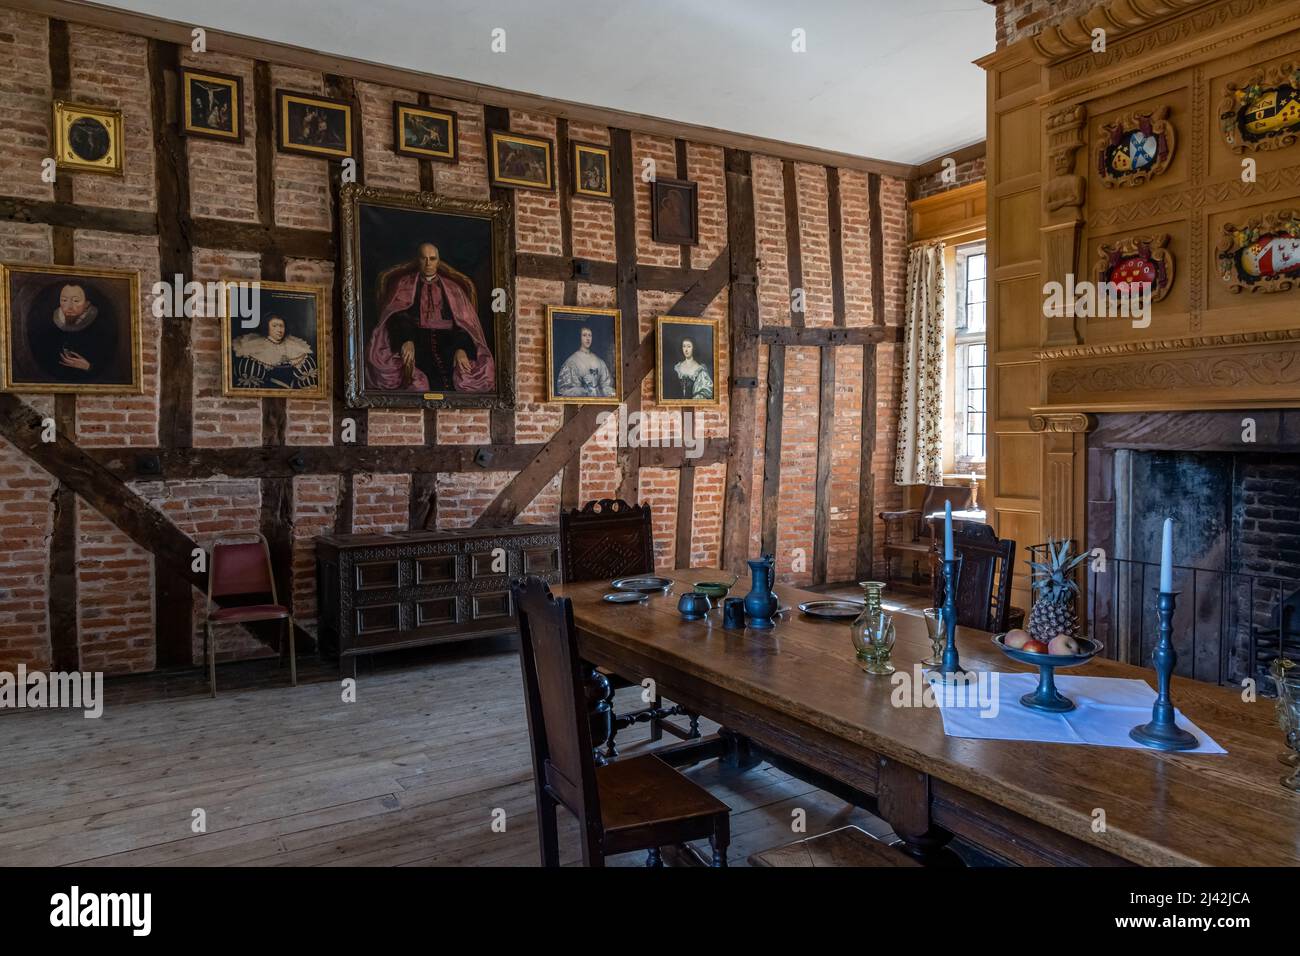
(293, 657)
(210, 649)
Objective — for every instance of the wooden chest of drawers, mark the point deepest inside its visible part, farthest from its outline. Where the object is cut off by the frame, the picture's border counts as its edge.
(381, 592)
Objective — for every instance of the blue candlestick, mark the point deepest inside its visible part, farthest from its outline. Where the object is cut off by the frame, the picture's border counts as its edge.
(950, 670)
(1162, 732)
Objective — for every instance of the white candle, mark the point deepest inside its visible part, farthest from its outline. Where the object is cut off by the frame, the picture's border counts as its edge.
(947, 530)
(1167, 557)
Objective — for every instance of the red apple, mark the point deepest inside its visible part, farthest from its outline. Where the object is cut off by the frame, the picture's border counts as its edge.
(1037, 647)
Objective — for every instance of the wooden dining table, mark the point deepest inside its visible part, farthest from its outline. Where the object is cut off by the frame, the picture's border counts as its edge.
(795, 694)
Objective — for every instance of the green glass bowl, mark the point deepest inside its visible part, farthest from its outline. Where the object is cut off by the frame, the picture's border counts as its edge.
(714, 589)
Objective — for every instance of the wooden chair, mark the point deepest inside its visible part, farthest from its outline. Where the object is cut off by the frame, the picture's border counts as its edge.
(608, 539)
(242, 570)
(908, 534)
(638, 803)
(984, 584)
(847, 846)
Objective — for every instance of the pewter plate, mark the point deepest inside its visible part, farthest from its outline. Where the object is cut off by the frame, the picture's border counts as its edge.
(646, 584)
(624, 597)
(832, 610)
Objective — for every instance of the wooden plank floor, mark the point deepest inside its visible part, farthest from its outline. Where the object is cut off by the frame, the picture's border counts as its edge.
(408, 775)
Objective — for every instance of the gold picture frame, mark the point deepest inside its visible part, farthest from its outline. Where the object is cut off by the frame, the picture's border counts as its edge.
(312, 125)
(27, 344)
(669, 337)
(607, 349)
(262, 357)
(592, 179)
(403, 111)
(88, 139)
(513, 169)
(200, 87)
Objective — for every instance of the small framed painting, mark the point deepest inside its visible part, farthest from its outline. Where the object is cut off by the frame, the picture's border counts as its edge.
(591, 171)
(274, 341)
(522, 162)
(674, 212)
(213, 105)
(87, 139)
(686, 361)
(424, 133)
(314, 125)
(69, 329)
(583, 355)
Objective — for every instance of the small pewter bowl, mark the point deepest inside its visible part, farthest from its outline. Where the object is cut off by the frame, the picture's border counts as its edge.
(693, 605)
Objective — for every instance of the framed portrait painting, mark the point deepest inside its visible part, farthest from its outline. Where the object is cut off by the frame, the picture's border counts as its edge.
(521, 162)
(424, 132)
(674, 212)
(427, 300)
(584, 362)
(88, 139)
(274, 341)
(313, 125)
(686, 361)
(591, 178)
(70, 329)
(212, 105)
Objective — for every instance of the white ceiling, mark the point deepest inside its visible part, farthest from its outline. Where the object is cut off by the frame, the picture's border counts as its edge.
(889, 79)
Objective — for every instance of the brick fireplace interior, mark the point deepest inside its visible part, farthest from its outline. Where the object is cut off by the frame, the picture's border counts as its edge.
(1231, 482)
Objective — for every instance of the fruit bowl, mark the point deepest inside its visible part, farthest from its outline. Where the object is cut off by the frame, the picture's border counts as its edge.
(1045, 696)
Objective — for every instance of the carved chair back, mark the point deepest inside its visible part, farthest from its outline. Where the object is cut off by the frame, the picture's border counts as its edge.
(605, 539)
(984, 585)
(556, 704)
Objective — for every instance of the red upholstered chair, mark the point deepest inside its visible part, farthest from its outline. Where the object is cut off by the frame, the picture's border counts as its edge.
(242, 570)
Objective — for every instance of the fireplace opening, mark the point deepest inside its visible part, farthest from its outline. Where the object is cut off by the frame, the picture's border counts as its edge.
(1236, 548)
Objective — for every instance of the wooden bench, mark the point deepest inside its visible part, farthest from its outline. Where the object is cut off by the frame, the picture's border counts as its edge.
(847, 846)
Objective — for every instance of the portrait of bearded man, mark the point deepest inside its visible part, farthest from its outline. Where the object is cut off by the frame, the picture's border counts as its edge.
(429, 337)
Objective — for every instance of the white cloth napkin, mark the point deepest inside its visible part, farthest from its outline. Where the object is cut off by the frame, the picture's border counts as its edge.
(1106, 709)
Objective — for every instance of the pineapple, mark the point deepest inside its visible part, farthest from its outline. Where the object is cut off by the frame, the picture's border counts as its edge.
(1053, 610)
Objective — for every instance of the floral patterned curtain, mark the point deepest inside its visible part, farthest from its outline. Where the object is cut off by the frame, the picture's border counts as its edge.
(920, 423)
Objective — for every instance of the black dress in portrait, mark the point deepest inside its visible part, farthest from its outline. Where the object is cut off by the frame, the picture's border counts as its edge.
(94, 338)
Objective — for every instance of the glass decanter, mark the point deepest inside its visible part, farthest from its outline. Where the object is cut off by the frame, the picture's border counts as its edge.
(1280, 670)
(873, 632)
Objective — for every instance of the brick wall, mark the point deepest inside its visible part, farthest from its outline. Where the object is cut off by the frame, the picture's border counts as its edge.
(1017, 19)
(971, 171)
(116, 578)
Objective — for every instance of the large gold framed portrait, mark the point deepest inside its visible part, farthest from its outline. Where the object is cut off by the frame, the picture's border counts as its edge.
(584, 355)
(87, 139)
(428, 288)
(69, 329)
(275, 340)
(686, 361)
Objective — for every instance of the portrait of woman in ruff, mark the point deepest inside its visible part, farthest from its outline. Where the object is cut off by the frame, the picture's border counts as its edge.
(282, 350)
(583, 355)
(686, 361)
(70, 329)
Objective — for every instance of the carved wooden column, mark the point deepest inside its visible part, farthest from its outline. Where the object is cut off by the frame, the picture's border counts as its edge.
(1063, 196)
(1064, 471)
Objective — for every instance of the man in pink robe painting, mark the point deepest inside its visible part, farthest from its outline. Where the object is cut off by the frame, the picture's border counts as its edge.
(429, 337)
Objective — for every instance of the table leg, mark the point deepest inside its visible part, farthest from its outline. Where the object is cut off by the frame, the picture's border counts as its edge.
(737, 751)
(903, 799)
